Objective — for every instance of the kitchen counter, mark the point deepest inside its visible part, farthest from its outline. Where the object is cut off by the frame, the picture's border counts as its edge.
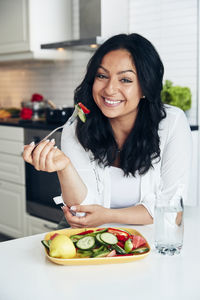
(27, 274)
(28, 124)
(43, 124)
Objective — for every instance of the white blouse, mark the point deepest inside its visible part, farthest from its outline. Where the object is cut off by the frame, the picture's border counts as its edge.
(125, 191)
(172, 169)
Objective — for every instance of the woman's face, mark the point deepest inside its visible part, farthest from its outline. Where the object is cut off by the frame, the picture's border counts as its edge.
(116, 89)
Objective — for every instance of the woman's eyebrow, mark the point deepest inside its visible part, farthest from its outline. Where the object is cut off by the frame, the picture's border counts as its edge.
(125, 71)
(120, 72)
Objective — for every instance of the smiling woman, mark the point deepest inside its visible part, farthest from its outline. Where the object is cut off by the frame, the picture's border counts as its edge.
(116, 89)
(130, 148)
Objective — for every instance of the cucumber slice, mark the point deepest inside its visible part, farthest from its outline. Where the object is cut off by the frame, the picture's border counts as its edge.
(98, 238)
(75, 238)
(119, 249)
(81, 115)
(84, 253)
(45, 244)
(99, 231)
(101, 254)
(140, 250)
(109, 238)
(101, 248)
(86, 243)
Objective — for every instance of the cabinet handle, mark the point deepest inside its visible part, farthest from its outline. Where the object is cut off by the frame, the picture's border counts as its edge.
(50, 227)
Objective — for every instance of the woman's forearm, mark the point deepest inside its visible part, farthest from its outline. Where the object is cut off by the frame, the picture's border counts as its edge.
(73, 188)
(131, 215)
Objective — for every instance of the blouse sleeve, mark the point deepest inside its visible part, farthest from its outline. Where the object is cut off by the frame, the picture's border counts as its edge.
(80, 160)
(176, 160)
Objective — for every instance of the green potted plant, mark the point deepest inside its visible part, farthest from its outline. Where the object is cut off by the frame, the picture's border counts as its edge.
(176, 95)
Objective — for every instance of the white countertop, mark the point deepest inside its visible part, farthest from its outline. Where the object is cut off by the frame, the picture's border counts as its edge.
(26, 274)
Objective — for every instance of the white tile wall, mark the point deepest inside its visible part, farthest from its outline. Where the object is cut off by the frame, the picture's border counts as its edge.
(171, 25)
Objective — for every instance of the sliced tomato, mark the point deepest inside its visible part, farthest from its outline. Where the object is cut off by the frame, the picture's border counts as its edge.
(84, 108)
(137, 241)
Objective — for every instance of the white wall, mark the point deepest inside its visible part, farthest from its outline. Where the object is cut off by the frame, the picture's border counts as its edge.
(171, 25)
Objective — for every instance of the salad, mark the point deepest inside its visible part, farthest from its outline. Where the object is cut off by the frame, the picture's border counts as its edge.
(82, 111)
(105, 242)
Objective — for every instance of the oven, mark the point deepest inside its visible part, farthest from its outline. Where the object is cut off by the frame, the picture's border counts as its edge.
(41, 186)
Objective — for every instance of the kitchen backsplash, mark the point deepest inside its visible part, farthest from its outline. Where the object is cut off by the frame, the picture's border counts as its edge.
(54, 80)
(170, 25)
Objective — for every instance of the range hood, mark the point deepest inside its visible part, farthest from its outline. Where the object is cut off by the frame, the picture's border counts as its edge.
(98, 20)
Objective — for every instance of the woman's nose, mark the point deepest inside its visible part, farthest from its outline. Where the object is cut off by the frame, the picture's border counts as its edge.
(111, 87)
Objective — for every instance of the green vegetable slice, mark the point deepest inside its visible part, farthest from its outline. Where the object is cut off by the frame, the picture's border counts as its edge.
(140, 250)
(128, 246)
(101, 253)
(98, 238)
(86, 243)
(81, 115)
(109, 238)
(45, 244)
(119, 249)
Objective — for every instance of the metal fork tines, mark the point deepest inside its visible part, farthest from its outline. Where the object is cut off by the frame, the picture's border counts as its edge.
(68, 123)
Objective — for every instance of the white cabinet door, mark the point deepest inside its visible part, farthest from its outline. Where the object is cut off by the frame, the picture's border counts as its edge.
(12, 212)
(14, 27)
(26, 24)
(12, 168)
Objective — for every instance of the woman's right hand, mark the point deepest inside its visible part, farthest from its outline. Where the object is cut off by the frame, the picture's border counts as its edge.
(45, 157)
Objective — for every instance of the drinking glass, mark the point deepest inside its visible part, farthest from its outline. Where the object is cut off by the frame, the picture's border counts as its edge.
(168, 223)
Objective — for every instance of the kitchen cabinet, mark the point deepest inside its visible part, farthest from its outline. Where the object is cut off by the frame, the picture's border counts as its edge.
(12, 182)
(37, 225)
(26, 24)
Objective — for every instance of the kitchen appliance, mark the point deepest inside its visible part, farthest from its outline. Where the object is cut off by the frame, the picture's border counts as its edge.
(41, 186)
(98, 20)
(58, 115)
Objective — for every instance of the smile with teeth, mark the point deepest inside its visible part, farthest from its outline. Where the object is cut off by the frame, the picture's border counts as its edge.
(109, 101)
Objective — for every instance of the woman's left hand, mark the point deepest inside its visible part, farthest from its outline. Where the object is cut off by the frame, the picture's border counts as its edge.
(96, 215)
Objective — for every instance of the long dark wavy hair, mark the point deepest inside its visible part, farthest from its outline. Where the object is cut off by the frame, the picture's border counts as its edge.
(142, 144)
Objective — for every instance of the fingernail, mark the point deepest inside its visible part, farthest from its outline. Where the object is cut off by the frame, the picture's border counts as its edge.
(53, 141)
(73, 208)
(55, 147)
(32, 143)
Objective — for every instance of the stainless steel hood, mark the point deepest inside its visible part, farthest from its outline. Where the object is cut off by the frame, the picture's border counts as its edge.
(98, 20)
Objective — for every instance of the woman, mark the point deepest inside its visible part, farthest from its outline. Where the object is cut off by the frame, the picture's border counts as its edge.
(131, 146)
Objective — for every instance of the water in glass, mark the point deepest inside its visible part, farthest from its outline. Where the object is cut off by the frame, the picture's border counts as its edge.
(169, 227)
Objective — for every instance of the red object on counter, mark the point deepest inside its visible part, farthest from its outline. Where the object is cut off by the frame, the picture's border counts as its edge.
(37, 98)
(26, 113)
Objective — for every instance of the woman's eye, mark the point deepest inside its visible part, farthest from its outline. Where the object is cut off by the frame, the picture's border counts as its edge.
(101, 76)
(126, 80)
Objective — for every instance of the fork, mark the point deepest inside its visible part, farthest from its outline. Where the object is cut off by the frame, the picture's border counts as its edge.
(68, 123)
